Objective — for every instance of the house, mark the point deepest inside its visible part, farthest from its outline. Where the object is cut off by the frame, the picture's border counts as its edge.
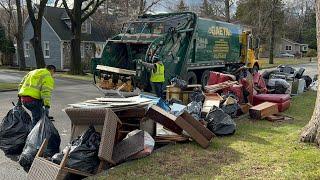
(56, 38)
(291, 47)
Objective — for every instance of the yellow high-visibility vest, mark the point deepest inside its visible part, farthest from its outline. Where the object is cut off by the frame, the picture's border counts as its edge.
(37, 84)
(158, 75)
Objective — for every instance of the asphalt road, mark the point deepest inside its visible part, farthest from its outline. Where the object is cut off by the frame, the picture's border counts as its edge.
(67, 91)
(310, 69)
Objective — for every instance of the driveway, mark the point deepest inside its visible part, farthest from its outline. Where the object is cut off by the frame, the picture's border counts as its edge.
(67, 91)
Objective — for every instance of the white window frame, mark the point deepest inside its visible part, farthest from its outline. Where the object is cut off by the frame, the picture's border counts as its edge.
(84, 27)
(26, 49)
(304, 48)
(45, 48)
(288, 48)
(82, 50)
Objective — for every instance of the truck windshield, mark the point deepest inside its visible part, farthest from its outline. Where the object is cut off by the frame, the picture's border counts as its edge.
(143, 27)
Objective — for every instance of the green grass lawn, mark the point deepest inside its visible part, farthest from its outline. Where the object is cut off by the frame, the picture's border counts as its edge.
(258, 150)
(8, 86)
(86, 77)
(264, 62)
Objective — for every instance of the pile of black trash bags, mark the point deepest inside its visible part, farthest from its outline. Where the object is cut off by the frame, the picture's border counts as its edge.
(219, 120)
(83, 154)
(18, 137)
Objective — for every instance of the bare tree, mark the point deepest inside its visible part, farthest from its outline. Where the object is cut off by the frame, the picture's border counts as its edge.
(273, 27)
(311, 132)
(7, 21)
(35, 17)
(78, 14)
(19, 37)
(227, 10)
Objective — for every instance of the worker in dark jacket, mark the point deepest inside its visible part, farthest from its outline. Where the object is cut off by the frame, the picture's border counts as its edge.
(157, 75)
(35, 91)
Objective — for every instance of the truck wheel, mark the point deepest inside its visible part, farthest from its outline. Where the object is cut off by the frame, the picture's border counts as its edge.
(204, 78)
(191, 77)
(254, 69)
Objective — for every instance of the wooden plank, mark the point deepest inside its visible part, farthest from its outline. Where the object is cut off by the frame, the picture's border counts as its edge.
(210, 101)
(245, 108)
(193, 132)
(164, 118)
(195, 129)
(108, 136)
(263, 110)
(116, 70)
(135, 112)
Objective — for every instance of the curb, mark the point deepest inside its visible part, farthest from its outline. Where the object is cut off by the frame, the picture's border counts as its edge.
(8, 90)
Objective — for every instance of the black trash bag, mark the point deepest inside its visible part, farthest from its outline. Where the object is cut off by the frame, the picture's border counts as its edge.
(197, 95)
(178, 82)
(219, 122)
(83, 154)
(194, 109)
(14, 130)
(231, 109)
(308, 80)
(44, 129)
(280, 88)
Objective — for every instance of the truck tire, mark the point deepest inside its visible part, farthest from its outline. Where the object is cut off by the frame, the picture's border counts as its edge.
(254, 69)
(204, 78)
(191, 78)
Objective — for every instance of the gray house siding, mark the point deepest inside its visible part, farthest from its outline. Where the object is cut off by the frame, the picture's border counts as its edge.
(47, 35)
(296, 48)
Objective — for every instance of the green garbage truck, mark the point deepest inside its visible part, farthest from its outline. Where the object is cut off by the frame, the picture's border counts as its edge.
(189, 47)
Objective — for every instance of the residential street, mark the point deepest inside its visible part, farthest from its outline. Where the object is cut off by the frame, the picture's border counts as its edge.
(67, 91)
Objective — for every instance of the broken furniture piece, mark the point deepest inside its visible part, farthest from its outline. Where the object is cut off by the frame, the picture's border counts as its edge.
(173, 92)
(263, 110)
(114, 78)
(211, 99)
(43, 169)
(195, 129)
(184, 122)
(282, 100)
(164, 118)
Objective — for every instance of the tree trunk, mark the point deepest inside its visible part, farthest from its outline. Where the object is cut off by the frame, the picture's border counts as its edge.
(127, 8)
(141, 7)
(37, 46)
(311, 132)
(76, 41)
(227, 9)
(19, 36)
(273, 26)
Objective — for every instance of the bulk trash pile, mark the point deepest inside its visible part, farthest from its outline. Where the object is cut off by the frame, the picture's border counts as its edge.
(109, 131)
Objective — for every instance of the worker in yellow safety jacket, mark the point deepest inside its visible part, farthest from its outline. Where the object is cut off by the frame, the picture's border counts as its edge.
(157, 75)
(35, 91)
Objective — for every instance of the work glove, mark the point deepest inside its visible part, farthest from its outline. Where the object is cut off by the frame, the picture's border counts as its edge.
(46, 110)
